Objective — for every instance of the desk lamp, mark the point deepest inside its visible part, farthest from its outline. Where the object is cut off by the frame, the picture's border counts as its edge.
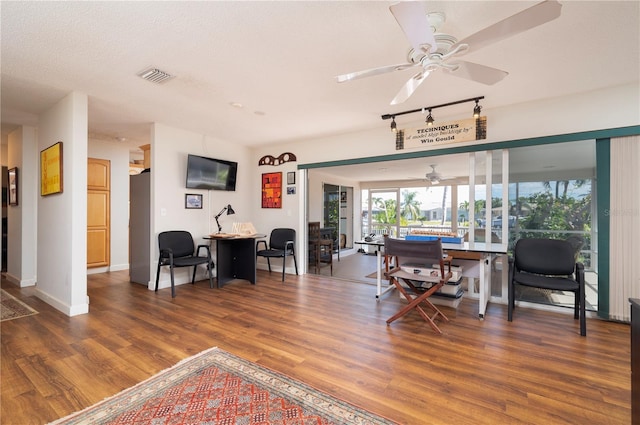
(229, 211)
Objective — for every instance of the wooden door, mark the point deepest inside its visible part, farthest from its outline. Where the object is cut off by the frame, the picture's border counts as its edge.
(98, 212)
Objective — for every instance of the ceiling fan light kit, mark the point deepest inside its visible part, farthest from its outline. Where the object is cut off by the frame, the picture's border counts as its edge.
(432, 50)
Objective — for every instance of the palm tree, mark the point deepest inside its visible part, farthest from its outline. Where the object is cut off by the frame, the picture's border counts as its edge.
(444, 205)
(565, 186)
(410, 206)
(386, 210)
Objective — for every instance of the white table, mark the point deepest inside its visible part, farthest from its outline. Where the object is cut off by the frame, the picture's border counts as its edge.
(480, 256)
(477, 258)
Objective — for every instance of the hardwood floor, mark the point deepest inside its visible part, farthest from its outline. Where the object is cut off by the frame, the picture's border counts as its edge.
(330, 334)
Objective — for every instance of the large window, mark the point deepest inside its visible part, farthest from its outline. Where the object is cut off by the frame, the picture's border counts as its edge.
(558, 209)
(396, 211)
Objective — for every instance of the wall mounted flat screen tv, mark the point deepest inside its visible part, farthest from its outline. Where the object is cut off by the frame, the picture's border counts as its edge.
(211, 173)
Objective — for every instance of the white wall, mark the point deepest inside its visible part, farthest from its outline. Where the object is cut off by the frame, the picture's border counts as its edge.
(3, 162)
(62, 218)
(14, 213)
(169, 149)
(22, 229)
(596, 110)
(118, 155)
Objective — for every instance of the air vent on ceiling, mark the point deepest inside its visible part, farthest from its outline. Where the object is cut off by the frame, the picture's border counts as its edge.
(155, 75)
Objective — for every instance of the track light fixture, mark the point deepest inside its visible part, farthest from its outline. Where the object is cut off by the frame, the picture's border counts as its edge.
(430, 120)
(477, 109)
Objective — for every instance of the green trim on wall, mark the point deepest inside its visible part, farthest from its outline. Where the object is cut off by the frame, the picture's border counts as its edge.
(534, 141)
(603, 183)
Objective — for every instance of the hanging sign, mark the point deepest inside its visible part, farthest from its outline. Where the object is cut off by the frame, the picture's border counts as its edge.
(445, 133)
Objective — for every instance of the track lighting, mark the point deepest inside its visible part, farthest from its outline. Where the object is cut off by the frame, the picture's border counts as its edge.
(429, 119)
(477, 109)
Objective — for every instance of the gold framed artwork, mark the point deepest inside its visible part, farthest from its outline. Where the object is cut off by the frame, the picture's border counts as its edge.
(13, 186)
(272, 190)
(51, 170)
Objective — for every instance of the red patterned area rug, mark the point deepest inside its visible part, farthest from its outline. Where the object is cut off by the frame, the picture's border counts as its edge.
(12, 308)
(216, 387)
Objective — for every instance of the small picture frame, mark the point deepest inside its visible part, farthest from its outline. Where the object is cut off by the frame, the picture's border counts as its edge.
(291, 177)
(193, 201)
(291, 190)
(13, 186)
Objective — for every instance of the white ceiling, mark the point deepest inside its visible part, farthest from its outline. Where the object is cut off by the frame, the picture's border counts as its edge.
(279, 59)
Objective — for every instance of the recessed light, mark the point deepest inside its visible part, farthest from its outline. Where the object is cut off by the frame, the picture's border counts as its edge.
(236, 105)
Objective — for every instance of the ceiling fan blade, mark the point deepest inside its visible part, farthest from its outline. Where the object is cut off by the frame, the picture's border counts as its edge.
(412, 18)
(476, 72)
(520, 22)
(410, 86)
(374, 71)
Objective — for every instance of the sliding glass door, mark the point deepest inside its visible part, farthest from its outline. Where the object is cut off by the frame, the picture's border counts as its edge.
(338, 214)
(382, 217)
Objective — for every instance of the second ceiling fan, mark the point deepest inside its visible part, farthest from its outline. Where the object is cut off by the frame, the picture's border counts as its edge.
(432, 50)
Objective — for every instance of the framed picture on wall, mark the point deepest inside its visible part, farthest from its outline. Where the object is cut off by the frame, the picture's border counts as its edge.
(13, 186)
(272, 190)
(193, 201)
(291, 177)
(51, 170)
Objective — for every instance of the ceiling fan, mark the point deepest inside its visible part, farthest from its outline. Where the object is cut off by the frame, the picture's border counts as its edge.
(435, 177)
(432, 50)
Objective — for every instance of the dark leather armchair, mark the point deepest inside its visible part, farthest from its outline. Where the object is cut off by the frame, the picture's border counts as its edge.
(548, 264)
(282, 243)
(177, 250)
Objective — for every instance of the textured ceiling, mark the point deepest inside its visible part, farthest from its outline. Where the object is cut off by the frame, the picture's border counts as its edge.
(279, 59)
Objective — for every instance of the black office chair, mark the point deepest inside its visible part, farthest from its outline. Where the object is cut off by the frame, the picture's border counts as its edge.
(577, 242)
(177, 250)
(548, 264)
(282, 243)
